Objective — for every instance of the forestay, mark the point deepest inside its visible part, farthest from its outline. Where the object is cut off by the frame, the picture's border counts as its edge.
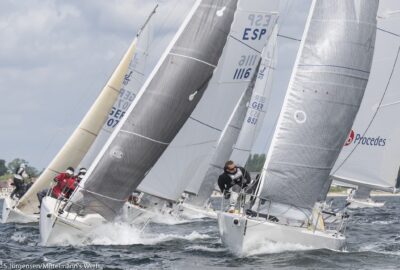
(161, 108)
(187, 158)
(323, 97)
(371, 155)
(243, 125)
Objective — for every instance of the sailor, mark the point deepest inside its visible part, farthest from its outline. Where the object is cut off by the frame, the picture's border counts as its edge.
(232, 181)
(62, 180)
(73, 182)
(18, 181)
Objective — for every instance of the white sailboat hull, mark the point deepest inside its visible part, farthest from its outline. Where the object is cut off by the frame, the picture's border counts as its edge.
(11, 214)
(368, 203)
(58, 229)
(242, 235)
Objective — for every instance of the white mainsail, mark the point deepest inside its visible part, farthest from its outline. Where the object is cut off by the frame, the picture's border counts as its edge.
(243, 125)
(323, 97)
(187, 158)
(371, 155)
(79, 143)
(163, 105)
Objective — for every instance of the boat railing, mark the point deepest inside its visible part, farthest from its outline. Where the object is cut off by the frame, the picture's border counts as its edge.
(259, 208)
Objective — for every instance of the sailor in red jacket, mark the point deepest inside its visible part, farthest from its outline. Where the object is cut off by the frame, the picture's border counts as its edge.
(62, 180)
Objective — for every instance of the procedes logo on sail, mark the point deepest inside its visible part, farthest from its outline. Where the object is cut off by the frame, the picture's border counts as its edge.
(364, 140)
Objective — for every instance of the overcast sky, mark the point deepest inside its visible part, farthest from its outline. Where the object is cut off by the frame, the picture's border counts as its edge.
(56, 55)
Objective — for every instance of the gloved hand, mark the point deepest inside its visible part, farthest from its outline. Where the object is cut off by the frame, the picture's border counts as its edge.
(227, 195)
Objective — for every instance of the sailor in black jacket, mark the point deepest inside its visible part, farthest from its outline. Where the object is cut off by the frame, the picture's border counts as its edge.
(233, 179)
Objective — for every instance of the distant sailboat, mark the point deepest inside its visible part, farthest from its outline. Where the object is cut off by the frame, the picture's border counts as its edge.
(370, 159)
(102, 117)
(323, 97)
(163, 105)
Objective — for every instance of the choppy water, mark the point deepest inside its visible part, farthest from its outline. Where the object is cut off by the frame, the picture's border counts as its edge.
(373, 237)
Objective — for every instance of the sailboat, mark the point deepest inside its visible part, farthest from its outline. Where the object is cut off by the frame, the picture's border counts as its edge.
(323, 96)
(98, 122)
(161, 108)
(370, 158)
(239, 134)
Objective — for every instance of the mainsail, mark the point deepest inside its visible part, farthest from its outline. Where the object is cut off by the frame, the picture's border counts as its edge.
(371, 155)
(187, 158)
(79, 143)
(163, 105)
(325, 91)
(243, 126)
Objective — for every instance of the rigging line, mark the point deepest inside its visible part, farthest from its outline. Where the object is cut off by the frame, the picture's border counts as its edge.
(245, 44)
(287, 37)
(388, 32)
(375, 113)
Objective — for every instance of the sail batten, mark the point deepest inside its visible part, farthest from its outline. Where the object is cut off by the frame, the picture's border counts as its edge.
(318, 111)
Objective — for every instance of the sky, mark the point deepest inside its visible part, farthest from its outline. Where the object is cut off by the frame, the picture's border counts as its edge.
(56, 56)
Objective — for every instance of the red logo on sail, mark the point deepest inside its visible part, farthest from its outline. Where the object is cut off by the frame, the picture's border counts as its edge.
(350, 139)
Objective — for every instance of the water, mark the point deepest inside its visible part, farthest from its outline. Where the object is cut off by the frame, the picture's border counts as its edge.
(373, 238)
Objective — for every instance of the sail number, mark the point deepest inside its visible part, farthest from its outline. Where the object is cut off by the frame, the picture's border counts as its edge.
(246, 64)
(256, 107)
(258, 26)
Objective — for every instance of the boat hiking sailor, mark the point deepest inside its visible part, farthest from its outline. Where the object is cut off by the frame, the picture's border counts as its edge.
(61, 180)
(72, 182)
(232, 181)
(18, 181)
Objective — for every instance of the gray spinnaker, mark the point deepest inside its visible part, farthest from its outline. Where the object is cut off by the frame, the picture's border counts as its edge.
(161, 108)
(322, 100)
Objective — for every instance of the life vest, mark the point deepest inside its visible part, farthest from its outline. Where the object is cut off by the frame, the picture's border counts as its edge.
(237, 177)
(19, 173)
(61, 180)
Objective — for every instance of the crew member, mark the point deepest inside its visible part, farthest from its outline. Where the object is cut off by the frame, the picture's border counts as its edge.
(62, 180)
(18, 181)
(232, 181)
